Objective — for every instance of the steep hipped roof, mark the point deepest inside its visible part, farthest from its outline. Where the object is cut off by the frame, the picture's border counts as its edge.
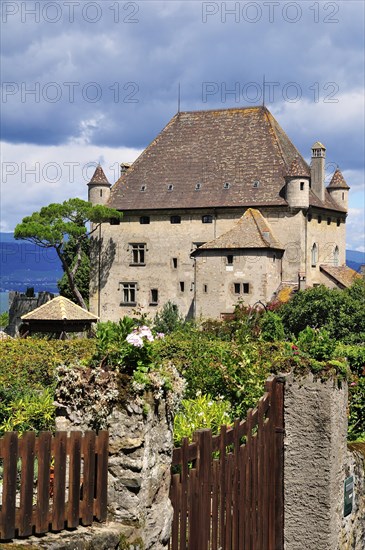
(99, 178)
(338, 181)
(220, 158)
(299, 169)
(237, 147)
(251, 231)
(59, 309)
(343, 274)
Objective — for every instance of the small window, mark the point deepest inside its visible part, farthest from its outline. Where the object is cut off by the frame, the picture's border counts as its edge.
(138, 253)
(230, 259)
(144, 220)
(237, 288)
(205, 288)
(207, 219)
(328, 221)
(154, 296)
(226, 185)
(343, 196)
(114, 221)
(302, 185)
(101, 192)
(336, 254)
(175, 219)
(314, 255)
(255, 184)
(143, 188)
(198, 186)
(245, 288)
(170, 187)
(182, 286)
(129, 293)
(174, 263)
(319, 219)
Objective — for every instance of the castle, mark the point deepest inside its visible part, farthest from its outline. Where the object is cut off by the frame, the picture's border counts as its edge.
(220, 207)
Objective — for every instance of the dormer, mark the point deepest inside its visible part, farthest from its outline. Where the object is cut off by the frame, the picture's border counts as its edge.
(338, 189)
(98, 187)
(318, 169)
(297, 184)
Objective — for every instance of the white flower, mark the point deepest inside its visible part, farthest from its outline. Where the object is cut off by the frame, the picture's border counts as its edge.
(135, 340)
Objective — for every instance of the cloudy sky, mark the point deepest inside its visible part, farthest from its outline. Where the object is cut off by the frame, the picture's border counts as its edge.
(86, 82)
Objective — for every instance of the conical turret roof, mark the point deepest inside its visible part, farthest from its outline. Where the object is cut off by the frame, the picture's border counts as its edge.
(338, 181)
(99, 178)
(298, 169)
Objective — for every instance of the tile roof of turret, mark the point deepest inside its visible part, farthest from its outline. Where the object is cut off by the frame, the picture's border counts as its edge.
(99, 177)
(338, 181)
(251, 231)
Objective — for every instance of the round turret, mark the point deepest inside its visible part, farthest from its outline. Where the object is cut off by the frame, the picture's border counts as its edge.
(338, 189)
(297, 184)
(98, 187)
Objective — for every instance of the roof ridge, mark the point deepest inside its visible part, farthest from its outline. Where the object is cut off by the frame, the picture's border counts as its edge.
(252, 213)
(277, 141)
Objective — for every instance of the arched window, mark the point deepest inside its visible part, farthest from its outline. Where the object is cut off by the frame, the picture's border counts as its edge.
(336, 254)
(314, 255)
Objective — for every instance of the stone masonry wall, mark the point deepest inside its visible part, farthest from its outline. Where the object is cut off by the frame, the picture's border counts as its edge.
(352, 535)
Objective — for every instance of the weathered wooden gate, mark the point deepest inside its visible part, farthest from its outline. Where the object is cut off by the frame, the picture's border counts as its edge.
(230, 496)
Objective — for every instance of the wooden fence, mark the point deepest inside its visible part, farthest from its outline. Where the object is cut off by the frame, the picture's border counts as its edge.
(50, 483)
(228, 494)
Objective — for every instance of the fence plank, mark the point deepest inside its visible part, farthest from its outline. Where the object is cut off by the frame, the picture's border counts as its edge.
(10, 455)
(102, 476)
(74, 451)
(184, 493)
(58, 512)
(279, 465)
(27, 451)
(222, 487)
(43, 448)
(88, 478)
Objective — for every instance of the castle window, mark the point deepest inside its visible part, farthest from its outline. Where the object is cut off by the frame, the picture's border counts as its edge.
(114, 221)
(138, 253)
(205, 288)
(343, 196)
(229, 259)
(182, 286)
(256, 184)
(154, 297)
(319, 219)
(207, 219)
(143, 188)
(302, 185)
(144, 220)
(101, 192)
(175, 219)
(226, 185)
(241, 288)
(336, 254)
(170, 187)
(198, 186)
(328, 221)
(174, 263)
(314, 255)
(129, 294)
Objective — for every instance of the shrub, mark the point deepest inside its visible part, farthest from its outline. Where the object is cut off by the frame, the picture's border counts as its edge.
(316, 343)
(168, 319)
(28, 410)
(272, 327)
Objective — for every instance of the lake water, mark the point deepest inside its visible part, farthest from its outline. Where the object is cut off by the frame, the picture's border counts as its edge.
(4, 301)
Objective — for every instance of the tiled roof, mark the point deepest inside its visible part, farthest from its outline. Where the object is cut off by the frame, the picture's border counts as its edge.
(328, 202)
(338, 181)
(299, 169)
(59, 309)
(342, 274)
(99, 177)
(220, 158)
(251, 231)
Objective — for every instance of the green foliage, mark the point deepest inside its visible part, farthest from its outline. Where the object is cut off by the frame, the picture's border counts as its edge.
(31, 362)
(272, 327)
(341, 312)
(56, 225)
(168, 319)
(4, 319)
(355, 355)
(111, 345)
(198, 413)
(28, 410)
(356, 430)
(316, 343)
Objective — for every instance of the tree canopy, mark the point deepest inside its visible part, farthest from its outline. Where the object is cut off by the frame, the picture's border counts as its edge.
(64, 226)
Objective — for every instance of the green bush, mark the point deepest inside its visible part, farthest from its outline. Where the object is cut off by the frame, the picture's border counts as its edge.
(316, 343)
(168, 319)
(201, 412)
(25, 411)
(272, 327)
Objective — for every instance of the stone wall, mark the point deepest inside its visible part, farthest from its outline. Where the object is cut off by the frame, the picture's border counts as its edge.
(352, 534)
(140, 450)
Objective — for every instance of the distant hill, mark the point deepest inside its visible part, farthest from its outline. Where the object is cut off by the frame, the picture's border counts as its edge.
(24, 264)
(355, 259)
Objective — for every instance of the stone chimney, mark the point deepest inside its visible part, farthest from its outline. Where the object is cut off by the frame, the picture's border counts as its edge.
(318, 169)
(124, 167)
